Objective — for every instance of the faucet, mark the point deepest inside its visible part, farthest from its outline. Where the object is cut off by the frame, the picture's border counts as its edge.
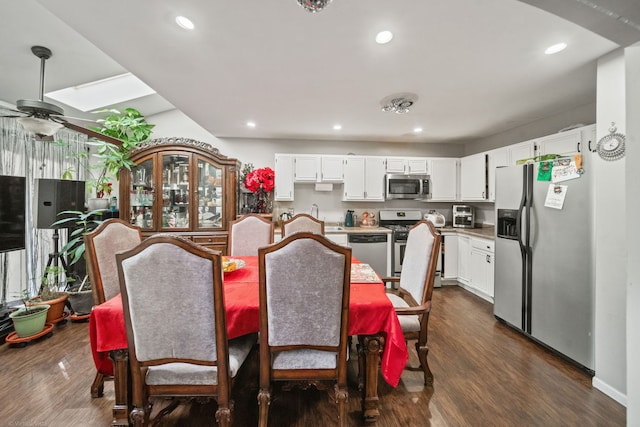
(315, 208)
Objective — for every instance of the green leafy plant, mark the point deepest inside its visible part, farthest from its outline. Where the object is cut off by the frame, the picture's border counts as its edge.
(53, 281)
(74, 249)
(131, 128)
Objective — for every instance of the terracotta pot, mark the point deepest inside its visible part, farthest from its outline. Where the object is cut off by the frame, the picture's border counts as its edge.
(56, 306)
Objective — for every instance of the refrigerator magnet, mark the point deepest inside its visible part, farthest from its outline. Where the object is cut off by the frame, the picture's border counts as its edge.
(555, 196)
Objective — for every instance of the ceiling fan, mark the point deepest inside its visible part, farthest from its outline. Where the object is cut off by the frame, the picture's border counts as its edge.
(44, 119)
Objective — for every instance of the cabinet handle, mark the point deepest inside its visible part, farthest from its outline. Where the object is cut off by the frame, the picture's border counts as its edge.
(488, 260)
(578, 147)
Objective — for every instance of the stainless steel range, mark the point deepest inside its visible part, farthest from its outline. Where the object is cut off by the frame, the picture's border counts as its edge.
(399, 221)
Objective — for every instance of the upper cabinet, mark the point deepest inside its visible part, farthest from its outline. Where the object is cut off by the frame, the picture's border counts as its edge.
(564, 143)
(407, 165)
(306, 168)
(473, 177)
(283, 190)
(181, 186)
(495, 159)
(364, 179)
(521, 151)
(331, 168)
(312, 168)
(444, 179)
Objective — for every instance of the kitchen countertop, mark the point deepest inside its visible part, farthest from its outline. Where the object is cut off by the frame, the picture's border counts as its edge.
(333, 229)
(485, 232)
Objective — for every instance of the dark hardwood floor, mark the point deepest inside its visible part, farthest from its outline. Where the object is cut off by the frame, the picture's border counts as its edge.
(485, 375)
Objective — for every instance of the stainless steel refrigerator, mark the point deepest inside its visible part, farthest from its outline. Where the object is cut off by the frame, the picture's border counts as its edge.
(543, 275)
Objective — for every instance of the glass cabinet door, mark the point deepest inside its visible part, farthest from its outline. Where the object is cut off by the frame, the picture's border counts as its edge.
(141, 194)
(210, 208)
(175, 191)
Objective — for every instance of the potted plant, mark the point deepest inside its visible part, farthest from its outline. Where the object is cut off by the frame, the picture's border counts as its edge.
(29, 320)
(80, 295)
(131, 128)
(52, 285)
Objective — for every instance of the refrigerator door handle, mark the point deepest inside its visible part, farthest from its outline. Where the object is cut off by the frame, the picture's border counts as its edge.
(523, 249)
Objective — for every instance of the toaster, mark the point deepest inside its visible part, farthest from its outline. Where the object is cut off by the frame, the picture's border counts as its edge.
(436, 218)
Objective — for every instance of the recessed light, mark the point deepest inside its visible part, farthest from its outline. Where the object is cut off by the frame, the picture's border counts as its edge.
(251, 124)
(185, 23)
(337, 127)
(555, 48)
(384, 37)
(417, 130)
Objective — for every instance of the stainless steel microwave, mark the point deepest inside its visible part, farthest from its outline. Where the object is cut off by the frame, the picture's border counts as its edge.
(413, 187)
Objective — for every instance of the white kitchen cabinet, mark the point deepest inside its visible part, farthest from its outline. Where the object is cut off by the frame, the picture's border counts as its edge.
(407, 165)
(564, 143)
(450, 256)
(364, 179)
(339, 238)
(520, 151)
(473, 177)
(284, 177)
(444, 179)
(495, 159)
(464, 253)
(306, 169)
(481, 272)
(418, 165)
(331, 168)
(396, 165)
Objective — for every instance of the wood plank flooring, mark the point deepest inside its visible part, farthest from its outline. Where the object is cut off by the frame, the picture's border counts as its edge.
(485, 375)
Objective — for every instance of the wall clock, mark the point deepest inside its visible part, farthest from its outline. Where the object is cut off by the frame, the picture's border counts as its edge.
(611, 147)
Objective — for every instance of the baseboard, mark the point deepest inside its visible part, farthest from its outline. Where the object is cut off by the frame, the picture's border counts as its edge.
(609, 391)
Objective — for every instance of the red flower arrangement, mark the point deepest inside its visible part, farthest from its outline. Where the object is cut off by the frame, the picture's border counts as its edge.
(262, 179)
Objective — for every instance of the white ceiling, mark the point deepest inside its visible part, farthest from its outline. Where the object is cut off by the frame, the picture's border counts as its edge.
(477, 66)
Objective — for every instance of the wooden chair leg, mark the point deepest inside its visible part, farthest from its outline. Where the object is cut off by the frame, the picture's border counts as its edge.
(223, 416)
(264, 400)
(342, 395)
(97, 388)
(423, 351)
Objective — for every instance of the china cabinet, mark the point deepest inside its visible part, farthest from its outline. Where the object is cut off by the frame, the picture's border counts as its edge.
(180, 186)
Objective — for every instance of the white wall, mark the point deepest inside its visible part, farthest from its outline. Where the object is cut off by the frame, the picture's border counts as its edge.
(610, 240)
(632, 59)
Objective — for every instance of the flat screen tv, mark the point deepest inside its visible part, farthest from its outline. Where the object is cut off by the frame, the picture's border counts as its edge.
(12, 208)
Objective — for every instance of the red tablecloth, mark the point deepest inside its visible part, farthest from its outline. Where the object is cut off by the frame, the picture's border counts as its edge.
(370, 312)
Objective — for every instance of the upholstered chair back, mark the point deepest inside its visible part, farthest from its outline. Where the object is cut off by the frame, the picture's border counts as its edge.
(304, 287)
(101, 245)
(249, 233)
(166, 286)
(304, 313)
(417, 257)
(302, 222)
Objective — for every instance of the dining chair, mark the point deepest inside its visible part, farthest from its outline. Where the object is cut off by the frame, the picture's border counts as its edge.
(101, 245)
(187, 356)
(249, 233)
(302, 222)
(304, 308)
(412, 299)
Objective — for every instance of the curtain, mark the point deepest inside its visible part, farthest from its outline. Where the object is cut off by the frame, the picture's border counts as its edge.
(22, 155)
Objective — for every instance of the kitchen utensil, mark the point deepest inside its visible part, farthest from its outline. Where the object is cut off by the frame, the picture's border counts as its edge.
(348, 219)
(435, 217)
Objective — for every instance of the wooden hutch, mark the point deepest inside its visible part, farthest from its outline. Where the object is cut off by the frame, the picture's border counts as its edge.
(181, 186)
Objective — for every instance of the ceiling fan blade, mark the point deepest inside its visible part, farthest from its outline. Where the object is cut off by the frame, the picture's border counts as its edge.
(11, 117)
(90, 132)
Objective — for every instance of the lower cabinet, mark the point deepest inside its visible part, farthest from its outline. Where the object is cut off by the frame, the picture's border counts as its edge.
(469, 261)
(340, 239)
(481, 267)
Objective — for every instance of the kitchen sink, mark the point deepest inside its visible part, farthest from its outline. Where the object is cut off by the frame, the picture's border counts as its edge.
(331, 228)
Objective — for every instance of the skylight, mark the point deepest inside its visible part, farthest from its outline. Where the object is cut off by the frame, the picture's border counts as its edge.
(102, 93)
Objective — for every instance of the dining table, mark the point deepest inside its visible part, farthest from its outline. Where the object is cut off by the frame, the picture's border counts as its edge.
(372, 319)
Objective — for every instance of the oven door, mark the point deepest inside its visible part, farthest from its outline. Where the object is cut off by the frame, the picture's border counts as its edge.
(399, 246)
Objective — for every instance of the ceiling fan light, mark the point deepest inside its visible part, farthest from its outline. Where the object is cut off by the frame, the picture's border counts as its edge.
(314, 6)
(40, 127)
